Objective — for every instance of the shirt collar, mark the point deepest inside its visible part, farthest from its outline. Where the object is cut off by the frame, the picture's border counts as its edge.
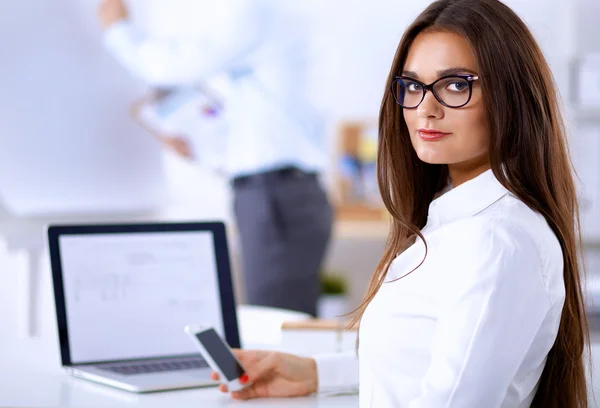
(467, 199)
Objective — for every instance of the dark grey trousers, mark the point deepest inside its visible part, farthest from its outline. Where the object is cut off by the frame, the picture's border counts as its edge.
(284, 222)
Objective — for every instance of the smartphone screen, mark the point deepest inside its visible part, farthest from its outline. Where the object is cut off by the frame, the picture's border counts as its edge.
(221, 354)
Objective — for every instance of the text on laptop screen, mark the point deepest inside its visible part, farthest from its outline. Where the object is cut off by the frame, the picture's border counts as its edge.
(130, 295)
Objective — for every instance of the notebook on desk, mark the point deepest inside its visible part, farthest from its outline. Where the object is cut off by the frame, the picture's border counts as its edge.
(124, 294)
(315, 336)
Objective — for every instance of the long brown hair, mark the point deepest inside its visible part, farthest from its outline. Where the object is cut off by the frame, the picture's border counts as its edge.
(528, 155)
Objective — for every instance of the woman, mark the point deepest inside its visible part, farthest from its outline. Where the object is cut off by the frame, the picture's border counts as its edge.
(477, 301)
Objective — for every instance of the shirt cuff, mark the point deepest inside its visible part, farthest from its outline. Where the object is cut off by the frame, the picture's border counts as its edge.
(117, 34)
(337, 372)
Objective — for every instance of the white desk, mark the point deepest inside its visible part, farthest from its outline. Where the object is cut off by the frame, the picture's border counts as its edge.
(30, 375)
(59, 390)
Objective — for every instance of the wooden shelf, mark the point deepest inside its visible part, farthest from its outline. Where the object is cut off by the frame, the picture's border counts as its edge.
(360, 221)
(359, 212)
(318, 324)
(347, 229)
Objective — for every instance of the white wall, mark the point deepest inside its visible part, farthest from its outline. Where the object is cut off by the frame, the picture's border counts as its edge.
(588, 29)
(67, 142)
(586, 144)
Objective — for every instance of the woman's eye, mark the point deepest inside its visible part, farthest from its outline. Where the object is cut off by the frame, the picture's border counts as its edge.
(413, 87)
(457, 86)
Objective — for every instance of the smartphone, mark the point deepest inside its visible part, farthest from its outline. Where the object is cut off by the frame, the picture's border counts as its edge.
(219, 356)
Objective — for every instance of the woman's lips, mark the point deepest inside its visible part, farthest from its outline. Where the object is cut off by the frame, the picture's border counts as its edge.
(432, 134)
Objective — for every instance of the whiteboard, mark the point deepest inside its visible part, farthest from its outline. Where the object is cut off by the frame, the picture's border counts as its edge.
(67, 144)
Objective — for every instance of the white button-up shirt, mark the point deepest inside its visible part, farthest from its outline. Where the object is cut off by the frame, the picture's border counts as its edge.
(263, 46)
(473, 325)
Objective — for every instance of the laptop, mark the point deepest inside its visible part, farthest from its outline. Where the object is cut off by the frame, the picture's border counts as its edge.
(124, 294)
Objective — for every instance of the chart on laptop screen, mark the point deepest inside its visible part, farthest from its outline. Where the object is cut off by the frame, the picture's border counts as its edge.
(130, 295)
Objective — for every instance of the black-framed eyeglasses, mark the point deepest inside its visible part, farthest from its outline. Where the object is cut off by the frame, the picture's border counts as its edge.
(453, 91)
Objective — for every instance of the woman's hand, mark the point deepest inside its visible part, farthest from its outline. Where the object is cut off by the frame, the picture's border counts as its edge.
(274, 374)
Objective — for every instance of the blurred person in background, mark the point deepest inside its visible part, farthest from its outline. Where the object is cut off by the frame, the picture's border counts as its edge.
(275, 147)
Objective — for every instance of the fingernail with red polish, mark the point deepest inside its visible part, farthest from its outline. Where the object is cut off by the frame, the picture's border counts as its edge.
(244, 379)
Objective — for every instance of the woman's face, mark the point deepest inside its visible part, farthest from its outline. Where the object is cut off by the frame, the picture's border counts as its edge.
(458, 137)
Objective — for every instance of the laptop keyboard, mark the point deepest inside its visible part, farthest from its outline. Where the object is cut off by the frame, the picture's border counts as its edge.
(145, 367)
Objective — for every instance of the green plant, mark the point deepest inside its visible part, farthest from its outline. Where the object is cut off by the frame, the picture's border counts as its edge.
(333, 284)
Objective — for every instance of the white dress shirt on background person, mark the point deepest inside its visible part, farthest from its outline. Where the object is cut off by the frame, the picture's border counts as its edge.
(263, 46)
(473, 325)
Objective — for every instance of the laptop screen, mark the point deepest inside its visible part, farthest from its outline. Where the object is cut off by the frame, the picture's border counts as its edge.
(130, 295)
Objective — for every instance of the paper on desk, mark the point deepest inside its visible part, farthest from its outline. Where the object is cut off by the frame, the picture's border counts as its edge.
(317, 336)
